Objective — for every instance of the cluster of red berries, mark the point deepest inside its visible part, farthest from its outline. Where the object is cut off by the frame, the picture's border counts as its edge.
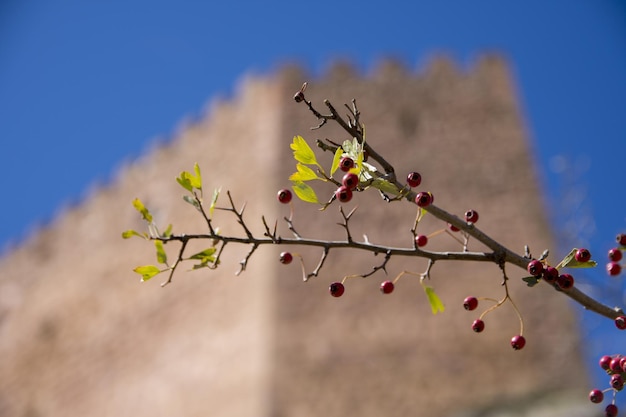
(614, 268)
(552, 276)
(470, 304)
(615, 367)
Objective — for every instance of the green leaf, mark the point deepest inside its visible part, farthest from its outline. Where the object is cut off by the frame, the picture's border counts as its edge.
(147, 272)
(216, 194)
(130, 233)
(305, 192)
(204, 254)
(435, 303)
(189, 181)
(168, 231)
(191, 200)
(142, 209)
(198, 178)
(184, 181)
(570, 261)
(160, 252)
(304, 174)
(531, 281)
(302, 152)
(336, 160)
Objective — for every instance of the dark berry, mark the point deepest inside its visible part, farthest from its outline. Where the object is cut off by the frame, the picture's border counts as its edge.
(286, 258)
(535, 268)
(615, 364)
(550, 274)
(453, 227)
(620, 322)
(336, 289)
(596, 396)
(565, 281)
(421, 240)
(343, 194)
(386, 287)
(605, 362)
(471, 216)
(615, 255)
(414, 179)
(613, 268)
(284, 196)
(470, 303)
(478, 325)
(518, 342)
(617, 382)
(299, 96)
(350, 180)
(611, 410)
(424, 199)
(621, 239)
(582, 255)
(346, 164)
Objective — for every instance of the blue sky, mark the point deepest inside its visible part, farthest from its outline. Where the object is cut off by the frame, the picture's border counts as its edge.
(85, 85)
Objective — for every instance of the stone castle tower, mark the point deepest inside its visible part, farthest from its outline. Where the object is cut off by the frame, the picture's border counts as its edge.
(81, 336)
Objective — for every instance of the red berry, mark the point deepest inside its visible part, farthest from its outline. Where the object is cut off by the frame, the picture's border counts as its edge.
(414, 179)
(284, 196)
(471, 216)
(424, 199)
(336, 289)
(453, 227)
(621, 239)
(518, 342)
(470, 303)
(565, 281)
(615, 364)
(350, 180)
(615, 255)
(285, 258)
(617, 382)
(582, 255)
(596, 396)
(386, 287)
(550, 274)
(613, 268)
(421, 240)
(620, 322)
(343, 194)
(535, 268)
(346, 164)
(605, 362)
(611, 410)
(478, 325)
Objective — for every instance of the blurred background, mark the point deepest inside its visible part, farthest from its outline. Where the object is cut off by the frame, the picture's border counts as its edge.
(87, 85)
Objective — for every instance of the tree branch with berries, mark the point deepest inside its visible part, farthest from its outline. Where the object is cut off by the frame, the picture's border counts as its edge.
(356, 166)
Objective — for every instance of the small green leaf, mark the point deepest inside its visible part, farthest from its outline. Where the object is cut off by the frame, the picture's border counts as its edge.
(168, 231)
(435, 303)
(198, 178)
(184, 181)
(204, 254)
(216, 194)
(160, 252)
(191, 200)
(147, 272)
(142, 209)
(302, 152)
(336, 160)
(531, 281)
(304, 174)
(130, 233)
(305, 192)
(570, 262)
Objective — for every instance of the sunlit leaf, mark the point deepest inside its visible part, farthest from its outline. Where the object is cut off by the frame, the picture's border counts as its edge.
(336, 160)
(130, 233)
(435, 303)
(570, 261)
(197, 180)
(184, 181)
(216, 194)
(204, 254)
(305, 192)
(168, 231)
(142, 209)
(304, 174)
(147, 271)
(302, 152)
(160, 252)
